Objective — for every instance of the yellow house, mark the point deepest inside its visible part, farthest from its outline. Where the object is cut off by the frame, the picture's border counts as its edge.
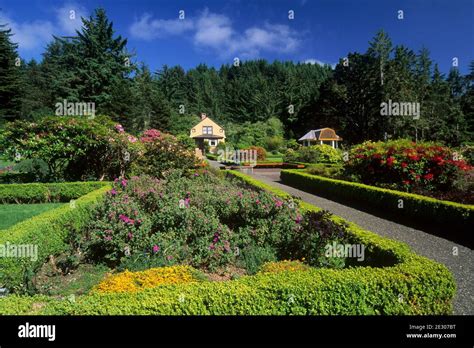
(207, 132)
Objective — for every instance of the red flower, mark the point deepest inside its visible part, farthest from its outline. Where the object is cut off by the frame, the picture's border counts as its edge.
(428, 176)
(390, 161)
(406, 182)
(404, 164)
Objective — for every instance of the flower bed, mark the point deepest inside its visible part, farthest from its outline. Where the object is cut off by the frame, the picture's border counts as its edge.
(411, 284)
(458, 217)
(426, 168)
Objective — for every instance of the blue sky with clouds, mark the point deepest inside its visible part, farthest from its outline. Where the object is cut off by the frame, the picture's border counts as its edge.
(216, 31)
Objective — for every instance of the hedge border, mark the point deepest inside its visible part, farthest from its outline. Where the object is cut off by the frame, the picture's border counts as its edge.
(429, 210)
(47, 192)
(48, 231)
(414, 285)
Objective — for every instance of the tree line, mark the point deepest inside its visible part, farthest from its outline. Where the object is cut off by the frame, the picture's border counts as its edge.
(278, 98)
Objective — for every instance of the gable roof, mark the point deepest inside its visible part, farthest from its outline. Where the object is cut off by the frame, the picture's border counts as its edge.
(321, 134)
(206, 119)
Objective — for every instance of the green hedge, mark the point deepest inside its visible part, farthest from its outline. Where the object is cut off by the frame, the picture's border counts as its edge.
(44, 193)
(414, 285)
(457, 216)
(48, 232)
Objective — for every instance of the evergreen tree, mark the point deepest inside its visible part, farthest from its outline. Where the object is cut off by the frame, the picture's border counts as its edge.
(10, 77)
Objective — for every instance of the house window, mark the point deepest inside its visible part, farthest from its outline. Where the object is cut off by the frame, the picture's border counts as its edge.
(207, 130)
(212, 142)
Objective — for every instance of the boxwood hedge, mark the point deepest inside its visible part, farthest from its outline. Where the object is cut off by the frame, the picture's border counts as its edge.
(47, 231)
(46, 193)
(413, 285)
(458, 217)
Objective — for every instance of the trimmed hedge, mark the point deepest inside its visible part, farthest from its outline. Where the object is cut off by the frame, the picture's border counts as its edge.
(414, 285)
(48, 232)
(455, 215)
(46, 193)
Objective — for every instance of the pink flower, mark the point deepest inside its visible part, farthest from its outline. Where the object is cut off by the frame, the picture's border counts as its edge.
(119, 128)
(299, 218)
(132, 139)
(130, 235)
(169, 257)
(156, 248)
(124, 182)
(278, 203)
(113, 192)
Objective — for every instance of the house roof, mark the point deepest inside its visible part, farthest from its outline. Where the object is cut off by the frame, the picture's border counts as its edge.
(219, 132)
(321, 134)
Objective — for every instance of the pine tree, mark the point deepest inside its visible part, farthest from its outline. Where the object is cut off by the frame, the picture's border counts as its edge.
(10, 77)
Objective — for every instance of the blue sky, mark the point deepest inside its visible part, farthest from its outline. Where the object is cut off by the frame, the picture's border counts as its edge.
(214, 32)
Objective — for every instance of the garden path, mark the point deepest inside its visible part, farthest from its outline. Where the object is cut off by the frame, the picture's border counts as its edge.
(423, 243)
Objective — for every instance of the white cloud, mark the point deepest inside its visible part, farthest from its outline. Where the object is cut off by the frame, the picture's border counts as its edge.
(29, 35)
(148, 29)
(69, 16)
(34, 34)
(217, 32)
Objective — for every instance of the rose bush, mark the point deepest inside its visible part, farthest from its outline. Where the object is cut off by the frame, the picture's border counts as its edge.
(201, 220)
(403, 164)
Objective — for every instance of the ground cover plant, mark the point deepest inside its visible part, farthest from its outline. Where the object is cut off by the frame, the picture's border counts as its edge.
(11, 214)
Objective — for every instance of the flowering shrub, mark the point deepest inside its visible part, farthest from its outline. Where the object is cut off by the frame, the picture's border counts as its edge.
(403, 164)
(73, 148)
(313, 154)
(135, 281)
(163, 152)
(201, 220)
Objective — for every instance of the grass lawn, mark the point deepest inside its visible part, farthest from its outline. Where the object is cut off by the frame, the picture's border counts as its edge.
(272, 159)
(11, 214)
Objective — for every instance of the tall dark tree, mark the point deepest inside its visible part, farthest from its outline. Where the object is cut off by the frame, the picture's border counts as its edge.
(101, 60)
(10, 77)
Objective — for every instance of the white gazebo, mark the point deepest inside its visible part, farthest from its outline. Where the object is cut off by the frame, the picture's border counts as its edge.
(320, 136)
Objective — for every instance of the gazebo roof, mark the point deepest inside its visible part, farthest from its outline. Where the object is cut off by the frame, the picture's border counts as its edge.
(321, 134)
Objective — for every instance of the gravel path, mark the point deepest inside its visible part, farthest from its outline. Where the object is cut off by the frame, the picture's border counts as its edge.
(433, 247)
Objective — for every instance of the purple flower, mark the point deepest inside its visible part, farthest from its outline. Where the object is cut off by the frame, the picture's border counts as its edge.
(113, 192)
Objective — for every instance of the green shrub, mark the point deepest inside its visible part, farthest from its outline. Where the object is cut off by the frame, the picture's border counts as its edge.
(48, 231)
(253, 257)
(162, 152)
(46, 193)
(458, 216)
(325, 170)
(314, 154)
(74, 148)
